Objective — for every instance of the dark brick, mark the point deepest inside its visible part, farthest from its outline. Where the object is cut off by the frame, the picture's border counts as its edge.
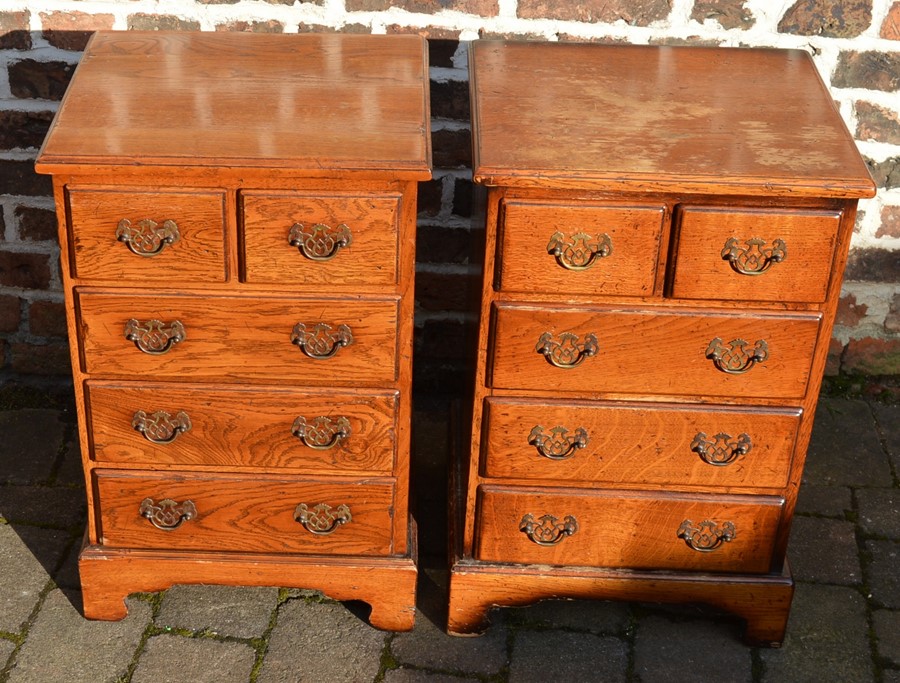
(160, 22)
(871, 356)
(729, 13)
(885, 173)
(70, 30)
(36, 225)
(271, 26)
(890, 222)
(849, 313)
(428, 201)
(462, 197)
(873, 70)
(31, 79)
(439, 244)
(890, 29)
(47, 319)
(450, 100)
(830, 18)
(10, 313)
(451, 148)
(18, 177)
(23, 129)
(873, 265)
(28, 271)
(446, 291)
(440, 52)
(484, 8)
(46, 359)
(634, 12)
(14, 34)
(877, 123)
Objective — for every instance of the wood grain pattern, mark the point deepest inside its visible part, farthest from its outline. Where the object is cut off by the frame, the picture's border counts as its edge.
(198, 256)
(653, 351)
(639, 444)
(804, 274)
(630, 268)
(242, 513)
(618, 529)
(243, 427)
(370, 259)
(240, 338)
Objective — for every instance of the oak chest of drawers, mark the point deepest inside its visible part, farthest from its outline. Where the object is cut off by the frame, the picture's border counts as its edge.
(237, 228)
(666, 233)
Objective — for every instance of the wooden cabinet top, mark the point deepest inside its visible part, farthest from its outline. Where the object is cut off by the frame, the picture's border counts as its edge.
(668, 119)
(314, 103)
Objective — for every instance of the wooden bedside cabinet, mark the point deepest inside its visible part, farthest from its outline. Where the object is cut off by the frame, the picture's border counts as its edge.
(237, 229)
(666, 233)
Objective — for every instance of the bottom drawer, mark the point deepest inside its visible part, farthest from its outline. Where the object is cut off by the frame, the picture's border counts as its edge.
(634, 530)
(231, 513)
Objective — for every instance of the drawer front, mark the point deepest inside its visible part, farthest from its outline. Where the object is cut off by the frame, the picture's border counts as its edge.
(240, 338)
(297, 239)
(584, 248)
(135, 237)
(613, 529)
(243, 514)
(754, 255)
(314, 431)
(696, 353)
(640, 444)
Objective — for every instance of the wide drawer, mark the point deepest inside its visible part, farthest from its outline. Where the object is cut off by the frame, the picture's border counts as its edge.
(311, 430)
(689, 353)
(616, 529)
(327, 341)
(303, 239)
(147, 236)
(638, 444)
(580, 248)
(754, 254)
(265, 514)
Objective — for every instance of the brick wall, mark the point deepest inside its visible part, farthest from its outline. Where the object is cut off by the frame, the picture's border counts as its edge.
(856, 45)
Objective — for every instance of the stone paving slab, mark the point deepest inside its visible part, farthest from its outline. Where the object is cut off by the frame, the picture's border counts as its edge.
(30, 445)
(595, 616)
(402, 675)
(542, 656)
(883, 574)
(173, 658)
(50, 506)
(221, 610)
(826, 501)
(879, 512)
(888, 421)
(887, 634)
(824, 550)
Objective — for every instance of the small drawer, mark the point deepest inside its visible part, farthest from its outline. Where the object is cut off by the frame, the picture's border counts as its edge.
(617, 529)
(323, 341)
(146, 236)
(754, 254)
(579, 248)
(312, 431)
(183, 511)
(644, 351)
(302, 239)
(639, 444)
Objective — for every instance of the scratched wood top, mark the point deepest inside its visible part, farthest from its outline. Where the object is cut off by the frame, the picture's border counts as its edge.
(347, 102)
(614, 117)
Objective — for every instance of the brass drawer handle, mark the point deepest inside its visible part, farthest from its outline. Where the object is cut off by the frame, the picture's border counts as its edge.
(320, 242)
(321, 433)
(548, 530)
(706, 536)
(321, 343)
(155, 337)
(161, 427)
(567, 353)
(580, 251)
(168, 515)
(557, 445)
(147, 238)
(753, 259)
(322, 519)
(734, 358)
(721, 450)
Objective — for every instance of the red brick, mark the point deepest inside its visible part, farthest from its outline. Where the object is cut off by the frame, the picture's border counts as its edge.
(14, 34)
(31, 79)
(71, 30)
(890, 28)
(160, 22)
(728, 13)
(849, 313)
(10, 313)
(829, 18)
(873, 70)
(18, 177)
(252, 26)
(695, 41)
(885, 173)
(36, 225)
(877, 123)
(484, 8)
(451, 148)
(47, 319)
(45, 359)
(436, 33)
(634, 12)
(450, 100)
(447, 291)
(28, 271)
(833, 360)
(870, 356)
(890, 223)
(23, 129)
(346, 28)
